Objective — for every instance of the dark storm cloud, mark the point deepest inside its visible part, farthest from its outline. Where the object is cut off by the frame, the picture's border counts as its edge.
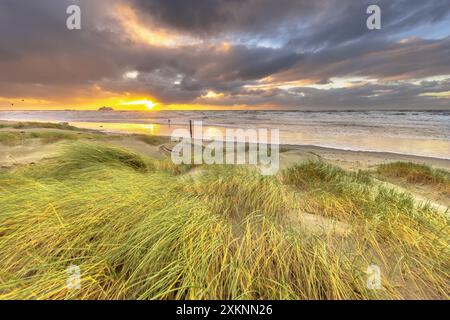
(215, 17)
(310, 23)
(376, 59)
(345, 23)
(278, 41)
(37, 48)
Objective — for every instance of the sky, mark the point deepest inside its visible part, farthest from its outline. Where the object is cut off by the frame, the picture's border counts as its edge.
(225, 54)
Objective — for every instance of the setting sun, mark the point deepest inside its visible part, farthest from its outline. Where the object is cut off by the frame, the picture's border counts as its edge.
(150, 105)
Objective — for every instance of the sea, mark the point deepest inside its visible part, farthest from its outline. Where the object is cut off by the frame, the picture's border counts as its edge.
(420, 133)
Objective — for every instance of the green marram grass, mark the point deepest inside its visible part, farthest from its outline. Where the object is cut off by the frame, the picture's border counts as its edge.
(19, 133)
(15, 138)
(139, 228)
(416, 174)
(152, 140)
(39, 125)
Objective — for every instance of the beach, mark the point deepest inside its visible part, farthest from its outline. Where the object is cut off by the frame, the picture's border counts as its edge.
(34, 150)
(348, 159)
(418, 133)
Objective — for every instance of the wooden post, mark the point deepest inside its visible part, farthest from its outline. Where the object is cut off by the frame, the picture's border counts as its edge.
(190, 127)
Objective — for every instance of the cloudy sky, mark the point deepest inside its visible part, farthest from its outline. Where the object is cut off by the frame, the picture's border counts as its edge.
(225, 54)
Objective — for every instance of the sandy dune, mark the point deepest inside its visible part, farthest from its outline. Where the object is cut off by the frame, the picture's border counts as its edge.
(33, 150)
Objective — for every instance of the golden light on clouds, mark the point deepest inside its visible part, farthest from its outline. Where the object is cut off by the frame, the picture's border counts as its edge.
(212, 95)
(444, 94)
(269, 83)
(223, 47)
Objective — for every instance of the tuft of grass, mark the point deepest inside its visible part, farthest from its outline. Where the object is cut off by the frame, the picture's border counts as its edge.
(167, 165)
(410, 242)
(10, 138)
(414, 173)
(81, 156)
(142, 229)
(238, 192)
(44, 125)
(310, 173)
(14, 138)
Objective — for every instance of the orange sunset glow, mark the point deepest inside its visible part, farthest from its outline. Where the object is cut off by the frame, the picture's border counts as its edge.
(153, 55)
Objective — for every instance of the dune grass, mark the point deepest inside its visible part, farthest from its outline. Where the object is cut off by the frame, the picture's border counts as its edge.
(41, 125)
(153, 140)
(139, 228)
(410, 242)
(416, 174)
(14, 138)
